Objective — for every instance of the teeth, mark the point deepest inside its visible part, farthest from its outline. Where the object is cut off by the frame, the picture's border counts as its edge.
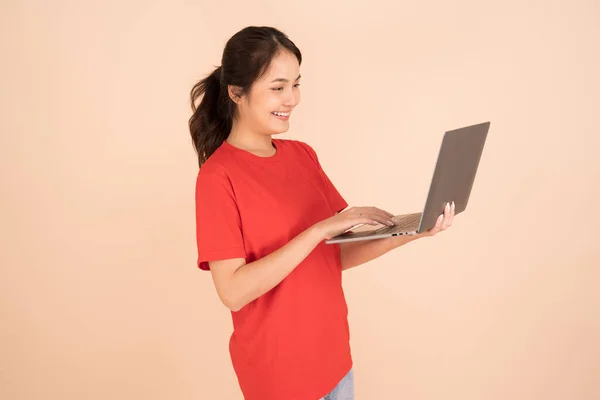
(280, 114)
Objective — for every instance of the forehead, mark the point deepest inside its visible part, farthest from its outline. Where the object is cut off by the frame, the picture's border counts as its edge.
(283, 65)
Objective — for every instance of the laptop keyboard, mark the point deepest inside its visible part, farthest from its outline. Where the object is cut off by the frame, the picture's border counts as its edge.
(404, 223)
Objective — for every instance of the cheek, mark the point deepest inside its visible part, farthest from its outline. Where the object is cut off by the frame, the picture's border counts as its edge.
(260, 104)
(261, 112)
(256, 110)
(269, 105)
(272, 103)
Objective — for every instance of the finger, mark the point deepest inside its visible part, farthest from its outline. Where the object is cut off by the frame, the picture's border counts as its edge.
(445, 224)
(452, 213)
(384, 214)
(377, 214)
(381, 219)
(364, 218)
(438, 224)
(449, 216)
(375, 210)
(445, 216)
(368, 221)
(440, 221)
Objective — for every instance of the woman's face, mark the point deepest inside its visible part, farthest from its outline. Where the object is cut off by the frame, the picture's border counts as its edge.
(267, 107)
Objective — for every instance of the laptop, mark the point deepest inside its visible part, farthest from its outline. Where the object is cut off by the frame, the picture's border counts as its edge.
(453, 177)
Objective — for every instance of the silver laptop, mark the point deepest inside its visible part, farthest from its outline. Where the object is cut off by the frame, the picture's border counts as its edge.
(453, 177)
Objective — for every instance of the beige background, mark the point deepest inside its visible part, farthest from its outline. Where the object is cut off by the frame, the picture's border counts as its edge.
(100, 297)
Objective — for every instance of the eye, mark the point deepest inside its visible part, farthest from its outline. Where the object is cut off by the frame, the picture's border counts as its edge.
(297, 85)
(277, 89)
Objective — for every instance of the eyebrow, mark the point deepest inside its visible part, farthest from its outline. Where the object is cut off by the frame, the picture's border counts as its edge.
(284, 80)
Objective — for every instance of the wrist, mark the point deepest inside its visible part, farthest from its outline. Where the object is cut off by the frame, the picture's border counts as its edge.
(316, 232)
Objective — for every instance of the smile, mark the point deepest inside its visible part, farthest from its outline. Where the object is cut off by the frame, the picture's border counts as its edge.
(281, 114)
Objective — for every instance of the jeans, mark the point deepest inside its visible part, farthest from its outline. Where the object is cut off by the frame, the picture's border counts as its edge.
(344, 389)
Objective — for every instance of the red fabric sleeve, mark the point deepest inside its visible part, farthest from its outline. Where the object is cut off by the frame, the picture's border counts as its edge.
(336, 201)
(218, 225)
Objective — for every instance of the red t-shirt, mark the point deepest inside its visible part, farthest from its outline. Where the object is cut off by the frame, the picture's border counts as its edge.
(291, 343)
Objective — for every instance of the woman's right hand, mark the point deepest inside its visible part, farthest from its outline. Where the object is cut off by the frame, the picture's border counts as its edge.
(353, 216)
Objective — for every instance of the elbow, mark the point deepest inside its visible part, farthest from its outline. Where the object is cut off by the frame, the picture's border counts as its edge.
(232, 303)
(234, 307)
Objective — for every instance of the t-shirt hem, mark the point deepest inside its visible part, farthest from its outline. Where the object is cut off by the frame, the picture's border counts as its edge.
(322, 392)
(251, 393)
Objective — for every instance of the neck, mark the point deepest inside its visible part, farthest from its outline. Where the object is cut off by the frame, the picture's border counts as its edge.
(248, 140)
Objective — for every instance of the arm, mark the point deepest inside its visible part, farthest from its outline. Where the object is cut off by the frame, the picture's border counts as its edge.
(238, 283)
(354, 254)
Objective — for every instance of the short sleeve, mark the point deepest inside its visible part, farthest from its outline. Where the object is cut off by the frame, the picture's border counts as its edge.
(336, 201)
(218, 225)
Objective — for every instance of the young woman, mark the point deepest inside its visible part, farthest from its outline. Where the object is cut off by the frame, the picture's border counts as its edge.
(264, 207)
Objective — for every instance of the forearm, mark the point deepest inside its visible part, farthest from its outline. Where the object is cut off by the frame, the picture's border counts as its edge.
(253, 280)
(357, 253)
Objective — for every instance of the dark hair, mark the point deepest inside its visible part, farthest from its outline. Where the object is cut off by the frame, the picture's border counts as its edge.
(246, 57)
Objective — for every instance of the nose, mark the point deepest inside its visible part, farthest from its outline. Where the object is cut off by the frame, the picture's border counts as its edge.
(292, 99)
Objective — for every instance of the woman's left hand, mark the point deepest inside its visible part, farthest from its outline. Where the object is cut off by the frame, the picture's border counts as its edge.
(443, 222)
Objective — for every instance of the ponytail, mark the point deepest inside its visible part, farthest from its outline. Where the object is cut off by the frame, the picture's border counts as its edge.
(211, 121)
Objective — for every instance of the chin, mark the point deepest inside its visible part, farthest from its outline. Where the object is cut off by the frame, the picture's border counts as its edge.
(279, 131)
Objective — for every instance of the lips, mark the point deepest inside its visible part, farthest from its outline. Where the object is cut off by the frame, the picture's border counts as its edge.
(282, 116)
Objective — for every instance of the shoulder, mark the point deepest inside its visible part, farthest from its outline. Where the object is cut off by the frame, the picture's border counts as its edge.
(298, 147)
(213, 171)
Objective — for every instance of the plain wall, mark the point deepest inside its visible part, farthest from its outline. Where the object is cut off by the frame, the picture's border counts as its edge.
(100, 297)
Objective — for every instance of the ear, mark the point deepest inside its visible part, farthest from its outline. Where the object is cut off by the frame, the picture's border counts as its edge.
(234, 93)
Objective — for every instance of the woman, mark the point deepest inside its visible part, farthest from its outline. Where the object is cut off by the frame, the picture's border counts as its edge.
(264, 207)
